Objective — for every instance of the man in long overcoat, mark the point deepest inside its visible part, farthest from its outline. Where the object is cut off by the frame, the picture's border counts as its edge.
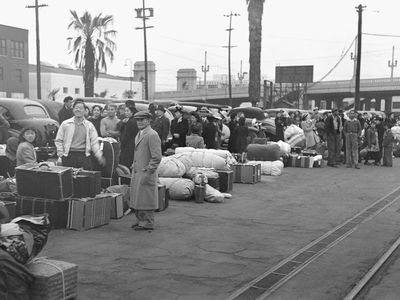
(144, 184)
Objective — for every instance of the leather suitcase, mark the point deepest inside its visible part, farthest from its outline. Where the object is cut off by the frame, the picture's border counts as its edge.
(87, 183)
(247, 173)
(163, 198)
(225, 180)
(43, 181)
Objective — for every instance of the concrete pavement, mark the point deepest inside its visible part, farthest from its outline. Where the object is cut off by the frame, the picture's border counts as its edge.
(209, 251)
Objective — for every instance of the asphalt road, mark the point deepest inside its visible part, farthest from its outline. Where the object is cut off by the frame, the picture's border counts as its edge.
(210, 251)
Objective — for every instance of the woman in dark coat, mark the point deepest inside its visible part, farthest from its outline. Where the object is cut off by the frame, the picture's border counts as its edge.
(210, 133)
(242, 132)
(179, 128)
(128, 130)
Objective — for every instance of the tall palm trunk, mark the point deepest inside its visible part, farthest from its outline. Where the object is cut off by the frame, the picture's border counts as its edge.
(88, 77)
(255, 9)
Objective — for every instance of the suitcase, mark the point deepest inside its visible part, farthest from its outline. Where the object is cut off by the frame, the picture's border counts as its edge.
(117, 206)
(43, 181)
(87, 183)
(214, 182)
(247, 173)
(163, 198)
(225, 180)
(57, 210)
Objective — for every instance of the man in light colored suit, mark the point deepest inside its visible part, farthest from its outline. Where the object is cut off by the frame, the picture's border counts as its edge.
(144, 184)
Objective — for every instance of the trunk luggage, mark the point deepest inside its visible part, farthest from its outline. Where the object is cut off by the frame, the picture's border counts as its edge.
(87, 213)
(53, 279)
(87, 183)
(225, 180)
(111, 150)
(57, 210)
(301, 161)
(247, 173)
(43, 181)
(163, 198)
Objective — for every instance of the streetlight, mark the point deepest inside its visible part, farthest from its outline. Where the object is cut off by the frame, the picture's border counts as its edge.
(130, 73)
(229, 54)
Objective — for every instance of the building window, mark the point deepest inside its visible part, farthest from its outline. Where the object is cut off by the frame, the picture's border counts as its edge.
(1, 73)
(18, 75)
(17, 49)
(3, 47)
(65, 90)
(77, 91)
(322, 104)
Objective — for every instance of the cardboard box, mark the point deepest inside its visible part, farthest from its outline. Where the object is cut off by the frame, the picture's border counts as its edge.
(87, 213)
(49, 182)
(300, 161)
(57, 210)
(247, 173)
(163, 198)
(53, 279)
(225, 180)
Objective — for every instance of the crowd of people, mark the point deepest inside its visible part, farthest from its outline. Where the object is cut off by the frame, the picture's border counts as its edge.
(358, 136)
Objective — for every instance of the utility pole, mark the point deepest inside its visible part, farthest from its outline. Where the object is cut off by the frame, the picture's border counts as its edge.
(353, 57)
(392, 64)
(38, 79)
(130, 74)
(241, 75)
(359, 9)
(141, 14)
(229, 54)
(205, 69)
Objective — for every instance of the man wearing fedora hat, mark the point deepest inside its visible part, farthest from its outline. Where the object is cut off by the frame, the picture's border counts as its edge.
(334, 127)
(144, 186)
(161, 125)
(179, 128)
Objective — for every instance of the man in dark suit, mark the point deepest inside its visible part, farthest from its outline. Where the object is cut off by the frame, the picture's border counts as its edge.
(66, 111)
(161, 125)
(144, 183)
(334, 127)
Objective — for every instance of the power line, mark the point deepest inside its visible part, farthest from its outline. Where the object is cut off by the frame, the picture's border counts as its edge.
(382, 35)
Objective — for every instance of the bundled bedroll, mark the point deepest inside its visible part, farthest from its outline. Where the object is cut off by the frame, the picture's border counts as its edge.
(207, 160)
(284, 147)
(178, 188)
(269, 152)
(215, 196)
(291, 131)
(298, 140)
(273, 168)
(225, 154)
(171, 166)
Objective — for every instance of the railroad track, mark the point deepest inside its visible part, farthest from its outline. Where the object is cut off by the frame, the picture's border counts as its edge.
(269, 282)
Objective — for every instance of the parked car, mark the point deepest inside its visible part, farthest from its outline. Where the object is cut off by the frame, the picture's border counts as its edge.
(52, 108)
(22, 113)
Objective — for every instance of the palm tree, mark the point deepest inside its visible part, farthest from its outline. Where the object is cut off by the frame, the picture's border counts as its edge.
(255, 9)
(53, 93)
(128, 94)
(91, 46)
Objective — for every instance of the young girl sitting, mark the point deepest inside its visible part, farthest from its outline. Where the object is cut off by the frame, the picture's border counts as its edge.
(26, 152)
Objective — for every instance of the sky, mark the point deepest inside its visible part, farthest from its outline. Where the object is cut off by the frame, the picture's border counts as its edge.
(307, 32)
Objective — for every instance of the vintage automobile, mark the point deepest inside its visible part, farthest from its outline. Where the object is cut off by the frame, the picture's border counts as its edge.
(22, 113)
(52, 107)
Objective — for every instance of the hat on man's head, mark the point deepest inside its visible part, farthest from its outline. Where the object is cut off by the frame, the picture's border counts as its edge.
(142, 115)
(316, 108)
(334, 109)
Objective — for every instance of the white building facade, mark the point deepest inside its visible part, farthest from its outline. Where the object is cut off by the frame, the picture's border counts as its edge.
(59, 82)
